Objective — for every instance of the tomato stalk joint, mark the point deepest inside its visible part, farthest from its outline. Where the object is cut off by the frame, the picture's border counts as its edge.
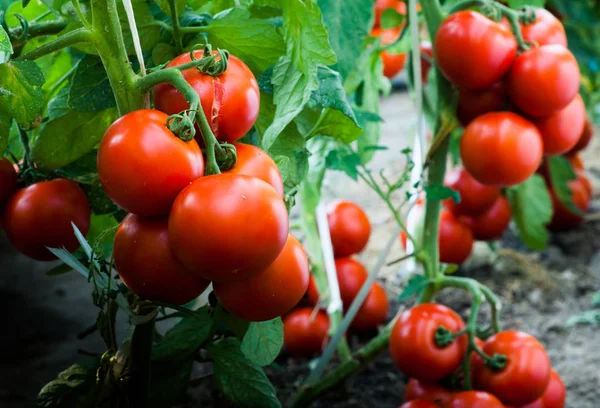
(443, 337)
(213, 64)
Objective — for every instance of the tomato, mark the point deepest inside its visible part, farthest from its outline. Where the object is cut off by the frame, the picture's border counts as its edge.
(351, 275)
(546, 29)
(585, 138)
(312, 292)
(587, 185)
(272, 292)
(426, 59)
(228, 227)
(230, 101)
(543, 80)
(382, 5)
(255, 162)
(146, 263)
(562, 217)
(473, 51)
(419, 404)
(475, 198)
(475, 399)
(392, 63)
(349, 227)
(413, 346)
(40, 216)
(143, 166)
(8, 181)
(561, 131)
(516, 143)
(555, 395)
(576, 162)
(373, 311)
(304, 336)
(525, 375)
(490, 225)
(455, 239)
(418, 390)
(472, 104)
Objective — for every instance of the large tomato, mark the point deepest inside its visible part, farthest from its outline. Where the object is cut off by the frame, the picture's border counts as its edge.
(490, 225)
(524, 377)
(473, 51)
(585, 138)
(475, 399)
(143, 166)
(543, 80)
(351, 275)
(426, 59)
(455, 239)
(413, 345)
(563, 218)
(304, 335)
(373, 311)
(272, 292)
(382, 5)
(349, 227)
(472, 104)
(230, 101)
(546, 29)
(516, 143)
(228, 227)
(392, 63)
(419, 390)
(40, 216)
(555, 395)
(312, 292)
(255, 162)
(147, 265)
(562, 130)
(8, 181)
(475, 198)
(419, 404)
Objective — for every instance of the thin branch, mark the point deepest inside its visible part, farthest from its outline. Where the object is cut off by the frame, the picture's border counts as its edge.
(80, 35)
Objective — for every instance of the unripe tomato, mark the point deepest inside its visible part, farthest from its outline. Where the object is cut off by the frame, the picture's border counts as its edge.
(413, 345)
(8, 181)
(543, 80)
(392, 63)
(40, 216)
(546, 29)
(255, 162)
(475, 198)
(555, 395)
(382, 5)
(475, 399)
(524, 377)
(419, 390)
(143, 166)
(373, 311)
(230, 101)
(562, 217)
(272, 292)
(473, 51)
(349, 227)
(472, 104)
(516, 143)
(419, 404)
(585, 138)
(426, 59)
(490, 225)
(455, 239)
(561, 131)
(304, 336)
(228, 227)
(351, 275)
(147, 265)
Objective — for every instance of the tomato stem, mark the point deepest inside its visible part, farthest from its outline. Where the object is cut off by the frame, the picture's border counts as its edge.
(177, 36)
(81, 35)
(141, 349)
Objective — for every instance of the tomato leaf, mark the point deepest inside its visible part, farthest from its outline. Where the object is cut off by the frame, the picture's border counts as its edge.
(169, 381)
(561, 173)
(263, 341)
(5, 122)
(415, 285)
(440, 193)
(517, 4)
(166, 8)
(59, 105)
(21, 91)
(163, 53)
(70, 387)
(345, 161)
(90, 89)
(54, 68)
(5, 45)
(149, 33)
(390, 18)
(59, 270)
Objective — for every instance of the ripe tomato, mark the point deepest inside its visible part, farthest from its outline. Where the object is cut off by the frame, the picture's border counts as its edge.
(272, 292)
(351, 275)
(555, 395)
(516, 143)
(8, 181)
(349, 227)
(576, 162)
(475, 399)
(382, 5)
(146, 263)
(473, 51)
(40, 216)
(392, 63)
(143, 166)
(543, 80)
(419, 404)
(585, 138)
(312, 292)
(373, 311)
(587, 185)
(230, 101)
(525, 375)
(426, 59)
(475, 198)
(472, 104)
(255, 162)
(561, 131)
(563, 218)
(418, 390)
(546, 29)
(228, 227)
(413, 346)
(456, 239)
(490, 225)
(304, 336)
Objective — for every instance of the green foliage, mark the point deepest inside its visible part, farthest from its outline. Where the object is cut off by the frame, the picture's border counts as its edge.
(561, 173)
(415, 286)
(263, 341)
(70, 388)
(21, 91)
(390, 18)
(90, 89)
(517, 4)
(440, 193)
(5, 45)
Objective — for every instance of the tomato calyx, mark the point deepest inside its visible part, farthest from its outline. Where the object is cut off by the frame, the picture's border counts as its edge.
(182, 124)
(226, 156)
(444, 337)
(527, 15)
(497, 362)
(211, 64)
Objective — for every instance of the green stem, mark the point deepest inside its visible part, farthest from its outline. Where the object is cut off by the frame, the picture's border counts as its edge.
(81, 15)
(141, 349)
(434, 15)
(495, 305)
(176, 27)
(513, 19)
(26, 148)
(42, 28)
(467, 4)
(192, 30)
(66, 40)
(343, 349)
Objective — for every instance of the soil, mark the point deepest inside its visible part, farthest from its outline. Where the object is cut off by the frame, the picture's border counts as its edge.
(541, 291)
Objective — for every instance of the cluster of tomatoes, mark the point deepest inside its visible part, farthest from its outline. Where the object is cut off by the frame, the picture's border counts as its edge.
(524, 377)
(392, 63)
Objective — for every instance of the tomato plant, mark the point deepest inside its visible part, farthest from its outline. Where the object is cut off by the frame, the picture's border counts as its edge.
(252, 161)
(475, 198)
(305, 334)
(373, 311)
(475, 399)
(418, 390)
(392, 63)
(562, 130)
(491, 224)
(545, 30)
(456, 239)
(555, 395)
(351, 275)
(472, 104)
(349, 227)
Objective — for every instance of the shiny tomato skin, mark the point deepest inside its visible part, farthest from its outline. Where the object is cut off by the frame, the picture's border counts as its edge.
(304, 336)
(492, 224)
(555, 395)
(472, 104)
(8, 181)
(562, 130)
(418, 390)
(351, 275)
(143, 166)
(40, 216)
(349, 227)
(228, 227)
(475, 198)
(255, 162)
(419, 404)
(272, 292)
(475, 399)
(562, 218)
(455, 239)
(147, 265)
(426, 59)
(546, 29)
(472, 51)
(543, 80)
(585, 138)
(373, 311)
(382, 5)
(413, 347)
(392, 63)
(516, 143)
(312, 292)
(230, 101)
(524, 377)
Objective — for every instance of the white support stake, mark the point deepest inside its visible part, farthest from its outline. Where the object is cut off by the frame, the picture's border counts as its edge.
(335, 300)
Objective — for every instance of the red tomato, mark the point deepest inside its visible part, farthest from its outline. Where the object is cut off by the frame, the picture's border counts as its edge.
(349, 227)
(426, 59)
(475, 399)
(413, 346)
(585, 138)
(525, 375)
(230, 101)
(272, 292)
(351, 275)
(456, 239)
(516, 143)
(8, 181)
(587, 185)
(576, 162)
(546, 29)
(555, 395)
(255, 162)
(146, 263)
(304, 336)
(312, 292)
(563, 218)
(373, 311)
(419, 404)
(418, 390)
(472, 104)
(392, 63)
(561, 131)
(40, 216)
(543, 80)
(490, 225)
(228, 227)
(475, 198)
(382, 5)
(143, 166)
(473, 51)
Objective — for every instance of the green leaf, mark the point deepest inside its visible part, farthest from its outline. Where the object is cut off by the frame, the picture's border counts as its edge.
(243, 382)
(59, 270)
(102, 233)
(21, 91)
(343, 160)
(59, 105)
(166, 8)
(5, 122)
(149, 34)
(390, 18)
(561, 173)
(33, 10)
(169, 381)
(70, 388)
(532, 210)
(517, 4)
(263, 341)
(440, 193)
(163, 53)
(54, 68)
(90, 89)
(5, 45)
(415, 285)
(99, 202)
